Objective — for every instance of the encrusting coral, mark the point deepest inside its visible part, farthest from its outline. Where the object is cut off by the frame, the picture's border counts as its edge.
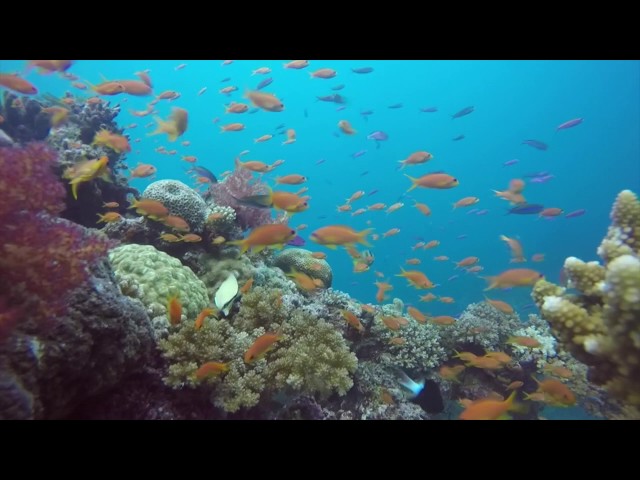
(600, 325)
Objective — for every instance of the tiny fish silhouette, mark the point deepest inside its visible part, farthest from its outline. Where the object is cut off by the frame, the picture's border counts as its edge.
(463, 112)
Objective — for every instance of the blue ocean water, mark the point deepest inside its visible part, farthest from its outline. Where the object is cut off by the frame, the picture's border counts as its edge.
(512, 100)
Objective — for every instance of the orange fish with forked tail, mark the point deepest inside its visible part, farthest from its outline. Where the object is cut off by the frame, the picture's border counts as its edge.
(334, 235)
(211, 369)
(433, 180)
(175, 126)
(17, 84)
(270, 235)
(262, 345)
(265, 101)
(489, 409)
(415, 278)
(174, 309)
(517, 277)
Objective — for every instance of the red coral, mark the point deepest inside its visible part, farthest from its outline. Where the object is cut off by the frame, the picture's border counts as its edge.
(242, 184)
(42, 258)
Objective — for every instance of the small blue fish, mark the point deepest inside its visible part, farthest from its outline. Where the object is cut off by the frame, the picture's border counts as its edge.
(203, 172)
(536, 144)
(322, 160)
(337, 87)
(536, 174)
(358, 154)
(366, 172)
(576, 213)
(378, 136)
(264, 83)
(226, 79)
(340, 108)
(462, 237)
(526, 209)
(452, 277)
(362, 70)
(429, 109)
(372, 192)
(463, 112)
(335, 98)
(459, 137)
(482, 212)
(508, 163)
(395, 105)
(542, 179)
(254, 110)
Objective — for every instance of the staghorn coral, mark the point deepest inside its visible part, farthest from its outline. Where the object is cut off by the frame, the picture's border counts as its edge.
(302, 261)
(600, 325)
(42, 257)
(181, 200)
(240, 183)
(152, 276)
(310, 358)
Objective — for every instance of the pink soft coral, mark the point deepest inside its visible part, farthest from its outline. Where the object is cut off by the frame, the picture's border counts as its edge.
(42, 257)
(240, 183)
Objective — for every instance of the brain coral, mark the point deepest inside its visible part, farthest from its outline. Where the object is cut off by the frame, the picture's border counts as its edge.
(152, 276)
(181, 200)
(301, 260)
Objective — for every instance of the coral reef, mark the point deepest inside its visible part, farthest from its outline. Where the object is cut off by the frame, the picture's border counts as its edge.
(240, 183)
(301, 260)
(216, 270)
(600, 325)
(181, 200)
(42, 257)
(152, 276)
(537, 329)
(310, 358)
(103, 337)
(24, 120)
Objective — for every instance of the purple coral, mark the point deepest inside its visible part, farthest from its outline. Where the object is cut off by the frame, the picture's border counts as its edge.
(241, 184)
(42, 257)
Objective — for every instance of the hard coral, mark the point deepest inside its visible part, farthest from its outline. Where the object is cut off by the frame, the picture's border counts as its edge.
(601, 325)
(302, 261)
(181, 200)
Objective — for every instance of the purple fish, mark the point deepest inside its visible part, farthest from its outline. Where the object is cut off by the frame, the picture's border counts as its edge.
(226, 79)
(372, 192)
(576, 213)
(429, 109)
(337, 87)
(462, 237)
(362, 70)
(459, 137)
(395, 105)
(322, 160)
(508, 163)
(378, 136)
(463, 112)
(482, 212)
(366, 113)
(570, 123)
(473, 210)
(341, 107)
(536, 144)
(526, 209)
(298, 241)
(264, 83)
(542, 179)
(358, 154)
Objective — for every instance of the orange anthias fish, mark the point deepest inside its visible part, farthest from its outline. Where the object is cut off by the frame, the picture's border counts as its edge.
(293, 179)
(143, 170)
(417, 315)
(382, 288)
(175, 126)
(303, 281)
(556, 393)
(270, 235)
(487, 409)
(415, 278)
(346, 127)
(265, 101)
(174, 310)
(262, 345)
(334, 235)
(504, 307)
(433, 180)
(59, 115)
(17, 84)
(516, 249)
(211, 369)
(109, 217)
(49, 66)
(517, 277)
(352, 320)
(150, 208)
(112, 140)
(415, 158)
(451, 373)
(86, 172)
(201, 317)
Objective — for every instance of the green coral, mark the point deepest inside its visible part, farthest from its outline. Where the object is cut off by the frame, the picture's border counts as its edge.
(302, 261)
(311, 357)
(153, 276)
(600, 325)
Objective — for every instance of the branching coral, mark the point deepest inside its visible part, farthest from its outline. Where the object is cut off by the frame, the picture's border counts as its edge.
(42, 257)
(311, 357)
(601, 325)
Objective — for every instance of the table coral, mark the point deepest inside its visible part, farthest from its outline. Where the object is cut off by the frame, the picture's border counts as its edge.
(600, 325)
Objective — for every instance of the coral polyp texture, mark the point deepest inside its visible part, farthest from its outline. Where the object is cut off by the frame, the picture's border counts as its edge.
(600, 325)
(300, 260)
(180, 200)
(42, 257)
(153, 276)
